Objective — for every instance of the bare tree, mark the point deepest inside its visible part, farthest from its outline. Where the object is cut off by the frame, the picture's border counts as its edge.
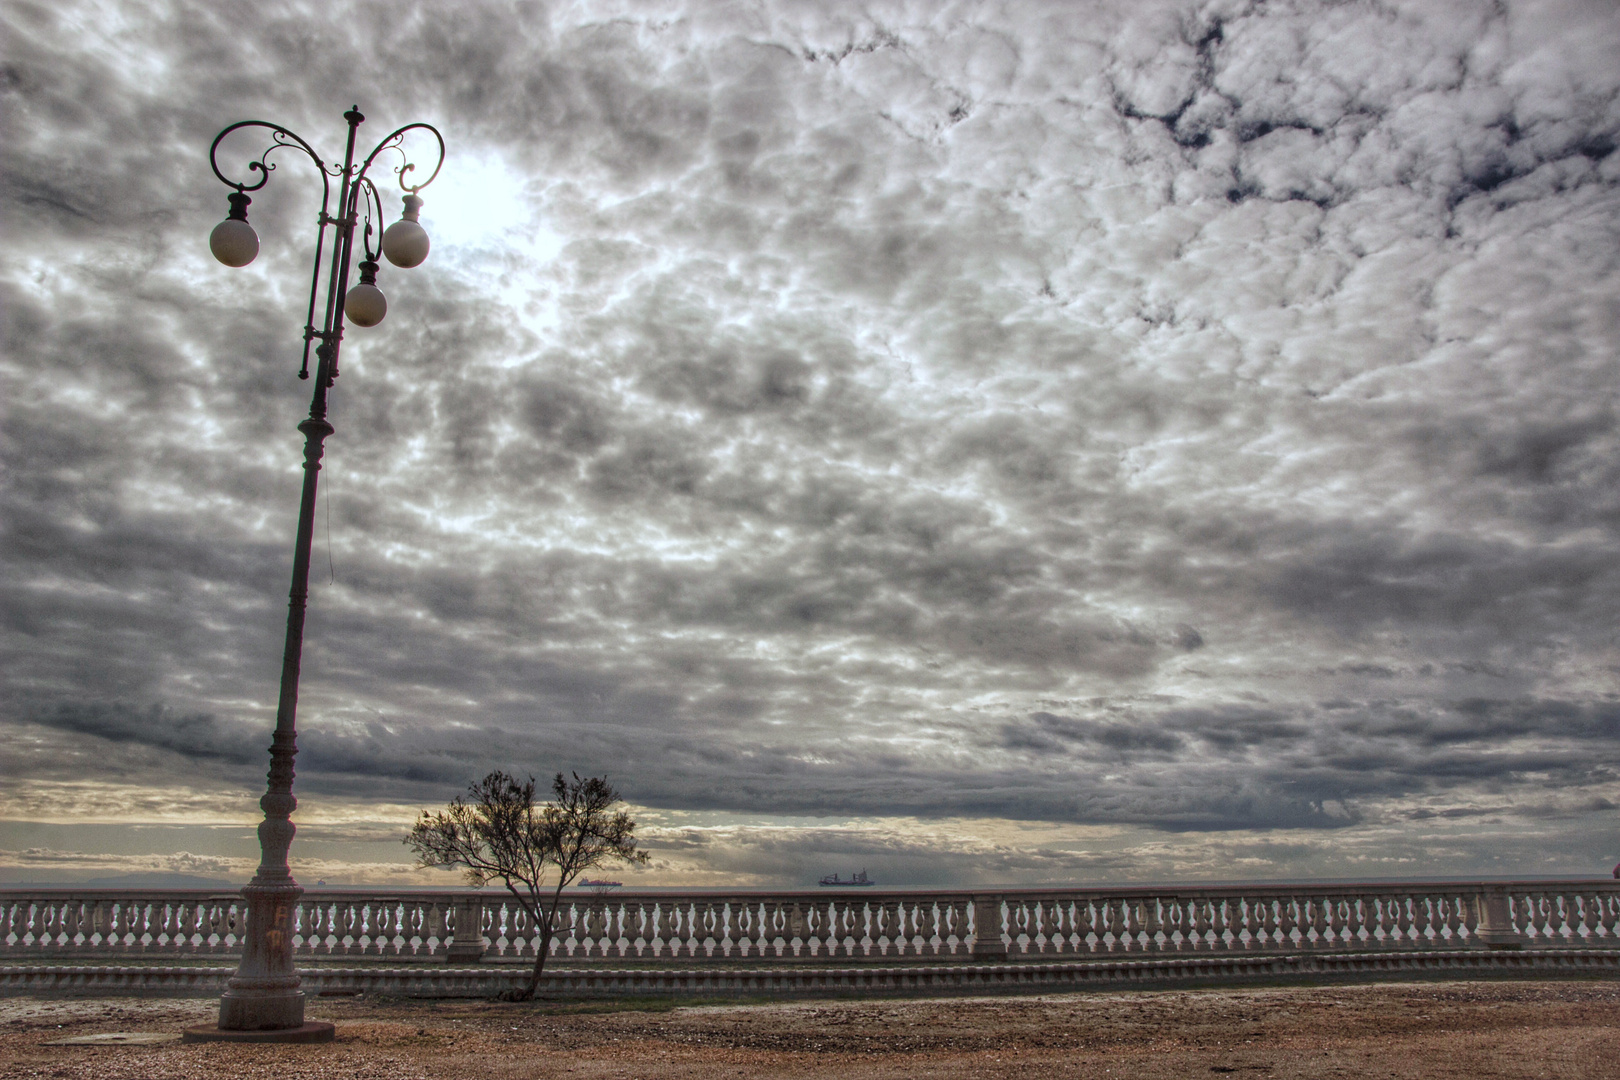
(498, 833)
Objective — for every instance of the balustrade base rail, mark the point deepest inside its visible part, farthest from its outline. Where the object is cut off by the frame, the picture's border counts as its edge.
(421, 981)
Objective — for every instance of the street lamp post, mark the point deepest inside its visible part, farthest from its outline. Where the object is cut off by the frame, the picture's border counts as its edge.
(263, 1002)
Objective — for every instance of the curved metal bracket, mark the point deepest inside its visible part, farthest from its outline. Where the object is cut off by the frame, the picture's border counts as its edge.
(368, 199)
(395, 142)
(280, 137)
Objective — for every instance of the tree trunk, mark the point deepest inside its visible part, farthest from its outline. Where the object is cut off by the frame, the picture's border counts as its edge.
(540, 952)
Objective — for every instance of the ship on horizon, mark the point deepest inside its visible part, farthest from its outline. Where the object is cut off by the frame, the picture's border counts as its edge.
(858, 880)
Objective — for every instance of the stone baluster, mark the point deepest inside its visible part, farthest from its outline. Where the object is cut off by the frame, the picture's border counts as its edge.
(47, 916)
(214, 930)
(66, 925)
(528, 928)
(69, 937)
(365, 928)
(803, 927)
(169, 919)
(380, 920)
(1454, 921)
(911, 917)
(1278, 923)
(305, 919)
(568, 937)
(1043, 917)
(395, 938)
(28, 914)
(176, 924)
(1544, 914)
(925, 928)
(592, 929)
(637, 930)
(772, 927)
(1204, 924)
(885, 930)
(684, 924)
(345, 928)
(812, 928)
(1591, 926)
(953, 929)
(1319, 923)
(852, 928)
(709, 927)
(1061, 926)
(413, 928)
(724, 934)
(1430, 920)
(1337, 914)
(1385, 908)
(95, 925)
(658, 939)
(835, 932)
(678, 929)
(1037, 924)
(1084, 920)
(194, 929)
(135, 923)
(1254, 924)
(1360, 923)
(1152, 924)
(328, 931)
(436, 928)
(1609, 906)
(1403, 919)
(1017, 924)
(1227, 921)
(120, 920)
(612, 935)
(1113, 922)
(1076, 924)
(184, 921)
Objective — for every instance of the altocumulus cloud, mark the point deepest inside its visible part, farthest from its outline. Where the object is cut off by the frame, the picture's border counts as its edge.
(1188, 418)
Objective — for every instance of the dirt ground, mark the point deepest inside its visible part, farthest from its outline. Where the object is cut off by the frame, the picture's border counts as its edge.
(1456, 1029)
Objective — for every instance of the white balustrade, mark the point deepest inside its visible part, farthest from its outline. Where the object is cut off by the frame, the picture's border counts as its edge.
(704, 926)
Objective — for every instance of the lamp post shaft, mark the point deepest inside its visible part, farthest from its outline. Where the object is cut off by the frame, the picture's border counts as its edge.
(264, 994)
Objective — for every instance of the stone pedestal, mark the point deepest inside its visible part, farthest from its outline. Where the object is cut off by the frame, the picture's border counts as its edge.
(467, 937)
(1495, 920)
(987, 943)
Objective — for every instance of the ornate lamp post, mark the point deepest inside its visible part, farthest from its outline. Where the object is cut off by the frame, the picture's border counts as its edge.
(263, 1001)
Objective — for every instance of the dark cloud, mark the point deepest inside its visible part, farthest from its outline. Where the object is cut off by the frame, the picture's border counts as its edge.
(1190, 417)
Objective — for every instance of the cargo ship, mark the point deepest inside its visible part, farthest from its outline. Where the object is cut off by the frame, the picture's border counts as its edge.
(858, 880)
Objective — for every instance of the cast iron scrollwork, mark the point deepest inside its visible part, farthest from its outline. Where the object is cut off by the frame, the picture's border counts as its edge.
(280, 137)
(396, 142)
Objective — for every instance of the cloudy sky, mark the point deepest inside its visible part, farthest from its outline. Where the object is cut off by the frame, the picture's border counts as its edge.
(1005, 442)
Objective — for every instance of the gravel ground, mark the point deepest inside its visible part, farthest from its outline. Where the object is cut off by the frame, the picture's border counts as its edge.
(1457, 1029)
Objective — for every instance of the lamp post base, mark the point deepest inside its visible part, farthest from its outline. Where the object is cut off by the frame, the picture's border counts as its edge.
(261, 1009)
(313, 1032)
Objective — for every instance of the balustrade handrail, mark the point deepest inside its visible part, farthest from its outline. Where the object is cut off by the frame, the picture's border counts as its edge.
(828, 923)
(912, 892)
